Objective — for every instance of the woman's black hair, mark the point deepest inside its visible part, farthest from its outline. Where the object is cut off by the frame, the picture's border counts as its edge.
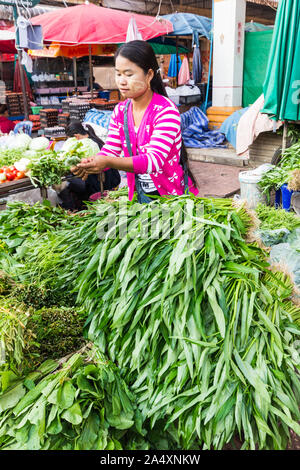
(3, 108)
(142, 54)
(75, 127)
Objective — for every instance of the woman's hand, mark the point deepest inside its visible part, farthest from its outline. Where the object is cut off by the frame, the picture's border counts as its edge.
(90, 166)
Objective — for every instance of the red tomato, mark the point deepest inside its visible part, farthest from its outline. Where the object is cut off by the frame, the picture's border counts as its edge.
(9, 175)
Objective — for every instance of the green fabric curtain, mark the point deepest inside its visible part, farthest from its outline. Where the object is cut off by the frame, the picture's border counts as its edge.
(168, 48)
(282, 84)
(257, 49)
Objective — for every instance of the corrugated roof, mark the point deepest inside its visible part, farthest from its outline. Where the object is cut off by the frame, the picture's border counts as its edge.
(6, 12)
(270, 3)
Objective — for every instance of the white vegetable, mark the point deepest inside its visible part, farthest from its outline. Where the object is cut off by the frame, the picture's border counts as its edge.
(89, 147)
(86, 147)
(69, 144)
(19, 141)
(22, 164)
(39, 143)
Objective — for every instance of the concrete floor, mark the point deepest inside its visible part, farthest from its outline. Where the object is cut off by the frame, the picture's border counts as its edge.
(216, 180)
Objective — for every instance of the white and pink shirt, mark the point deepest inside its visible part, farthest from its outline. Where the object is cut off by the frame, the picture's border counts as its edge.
(155, 147)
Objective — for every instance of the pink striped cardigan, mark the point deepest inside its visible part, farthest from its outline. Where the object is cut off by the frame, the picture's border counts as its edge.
(155, 148)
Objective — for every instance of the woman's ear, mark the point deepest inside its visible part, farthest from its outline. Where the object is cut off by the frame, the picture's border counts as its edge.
(150, 75)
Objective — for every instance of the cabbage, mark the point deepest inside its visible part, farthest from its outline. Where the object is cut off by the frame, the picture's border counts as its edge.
(19, 141)
(70, 144)
(82, 148)
(89, 147)
(39, 143)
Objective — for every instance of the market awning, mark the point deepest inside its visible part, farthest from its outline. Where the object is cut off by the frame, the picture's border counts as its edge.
(282, 84)
(82, 50)
(165, 46)
(90, 24)
(187, 23)
(160, 47)
(7, 42)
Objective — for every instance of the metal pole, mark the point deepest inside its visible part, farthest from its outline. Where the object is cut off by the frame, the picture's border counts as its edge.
(75, 72)
(23, 87)
(91, 70)
(284, 137)
(177, 61)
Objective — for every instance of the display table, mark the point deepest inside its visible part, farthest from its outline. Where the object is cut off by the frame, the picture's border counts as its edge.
(13, 187)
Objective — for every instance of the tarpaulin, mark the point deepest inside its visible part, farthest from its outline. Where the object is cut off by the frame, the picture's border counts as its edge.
(256, 53)
(195, 132)
(282, 85)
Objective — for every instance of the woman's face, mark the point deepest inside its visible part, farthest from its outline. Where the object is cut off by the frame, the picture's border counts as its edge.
(131, 79)
(81, 136)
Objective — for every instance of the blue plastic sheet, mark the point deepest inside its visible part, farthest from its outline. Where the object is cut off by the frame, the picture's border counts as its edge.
(187, 23)
(229, 126)
(195, 132)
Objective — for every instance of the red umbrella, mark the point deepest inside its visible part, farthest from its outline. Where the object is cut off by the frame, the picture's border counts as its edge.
(7, 41)
(90, 24)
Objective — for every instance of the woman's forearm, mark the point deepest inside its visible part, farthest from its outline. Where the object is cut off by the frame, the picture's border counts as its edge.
(119, 163)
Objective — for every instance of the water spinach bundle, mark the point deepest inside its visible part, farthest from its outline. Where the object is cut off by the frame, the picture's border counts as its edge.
(199, 322)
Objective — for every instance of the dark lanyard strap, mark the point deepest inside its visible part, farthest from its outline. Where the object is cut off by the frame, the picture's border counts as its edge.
(128, 144)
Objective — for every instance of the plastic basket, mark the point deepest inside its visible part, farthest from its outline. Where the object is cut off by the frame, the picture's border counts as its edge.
(36, 109)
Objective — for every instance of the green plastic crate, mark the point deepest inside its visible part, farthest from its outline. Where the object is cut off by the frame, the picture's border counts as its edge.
(36, 109)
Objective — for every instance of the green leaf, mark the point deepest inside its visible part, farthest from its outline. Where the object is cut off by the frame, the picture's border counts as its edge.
(11, 397)
(218, 312)
(73, 414)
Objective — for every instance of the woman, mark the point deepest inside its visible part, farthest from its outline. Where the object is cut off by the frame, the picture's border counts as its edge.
(5, 124)
(77, 191)
(154, 161)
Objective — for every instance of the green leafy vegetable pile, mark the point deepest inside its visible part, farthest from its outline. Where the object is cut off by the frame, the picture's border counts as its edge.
(273, 219)
(199, 329)
(46, 170)
(283, 172)
(81, 403)
(29, 336)
(9, 157)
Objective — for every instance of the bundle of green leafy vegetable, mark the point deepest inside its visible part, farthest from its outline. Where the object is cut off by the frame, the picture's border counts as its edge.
(80, 403)
(53, 332)
(21, 222)
(13, 318)
(282, 173)
(273, 219)
(9, 157)
(46, 170)
(29, 336)
(73, 151)
(203, 334)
